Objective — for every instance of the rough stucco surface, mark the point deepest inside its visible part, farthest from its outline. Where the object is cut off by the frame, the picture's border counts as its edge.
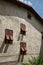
(10, 18)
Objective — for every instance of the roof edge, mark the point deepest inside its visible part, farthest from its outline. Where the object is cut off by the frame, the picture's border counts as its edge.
(21, 4)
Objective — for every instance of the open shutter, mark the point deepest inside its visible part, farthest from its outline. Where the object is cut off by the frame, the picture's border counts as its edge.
(8, 36)
(23, 47)
(11, 34)
(23, 29)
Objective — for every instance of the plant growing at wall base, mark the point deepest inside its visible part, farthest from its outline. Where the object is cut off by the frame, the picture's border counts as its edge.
(35, 61)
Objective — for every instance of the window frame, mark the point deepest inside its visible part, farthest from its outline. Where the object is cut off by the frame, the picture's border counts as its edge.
(9, 33)
(21, 46)
(22, 29)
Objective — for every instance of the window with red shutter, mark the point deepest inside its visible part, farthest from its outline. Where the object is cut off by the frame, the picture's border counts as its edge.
(22, 29)
(22, 48)
(8, 36)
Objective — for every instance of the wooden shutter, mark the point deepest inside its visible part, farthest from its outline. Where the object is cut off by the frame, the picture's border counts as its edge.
(8, 36)
(11, 34)
(23, 46)
(23, 27)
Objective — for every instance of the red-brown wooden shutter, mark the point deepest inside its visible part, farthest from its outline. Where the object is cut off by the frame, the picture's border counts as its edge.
(8, 36)
(23, 45)
(23, 27)
(11, 34)
(7, 33)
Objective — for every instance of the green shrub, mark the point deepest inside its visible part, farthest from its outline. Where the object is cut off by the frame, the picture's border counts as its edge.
(35, 61)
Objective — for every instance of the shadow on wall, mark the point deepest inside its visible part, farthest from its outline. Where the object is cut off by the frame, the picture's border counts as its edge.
(41, 49)
(4, 47)
(20, 58)
(20, 37)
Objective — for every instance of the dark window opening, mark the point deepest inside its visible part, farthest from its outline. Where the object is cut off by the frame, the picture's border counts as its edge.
(29, 15)
(22, 29)
(22, 48)
(42, 36)
(8, 36)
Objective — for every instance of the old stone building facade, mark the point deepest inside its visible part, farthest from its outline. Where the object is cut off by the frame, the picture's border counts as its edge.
(12, 15)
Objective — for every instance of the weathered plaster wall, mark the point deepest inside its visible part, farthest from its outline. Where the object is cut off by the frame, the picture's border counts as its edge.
(10, 18)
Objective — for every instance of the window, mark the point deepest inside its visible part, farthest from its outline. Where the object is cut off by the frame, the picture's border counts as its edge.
(29, 15)
(8, 36)
(22, 29)
(22, 47)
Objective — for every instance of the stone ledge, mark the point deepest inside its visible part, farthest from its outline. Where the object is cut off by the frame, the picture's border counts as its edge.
(5, 57)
